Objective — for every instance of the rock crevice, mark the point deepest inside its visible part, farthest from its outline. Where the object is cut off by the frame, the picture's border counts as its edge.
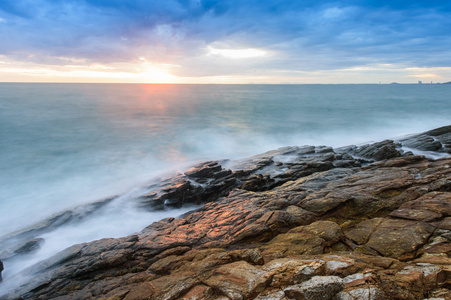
(368, 222)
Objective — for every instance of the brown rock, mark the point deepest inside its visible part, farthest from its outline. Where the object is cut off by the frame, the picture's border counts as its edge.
(394, 238)
(415, 214)
(298, 241)
(433, 276)
(290, 271)
(434, 202)
(362, 232)
(329, 231)
(170, 287)
(247, 244)
(319, 287)
(238, 280)
(444, 224)
(365, 293)
(200, 291)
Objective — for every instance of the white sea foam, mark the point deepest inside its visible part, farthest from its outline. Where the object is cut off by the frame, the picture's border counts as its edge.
(65, 145)
(429, 154)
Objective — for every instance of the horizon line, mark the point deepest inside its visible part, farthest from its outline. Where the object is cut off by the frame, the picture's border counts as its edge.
(174, 83)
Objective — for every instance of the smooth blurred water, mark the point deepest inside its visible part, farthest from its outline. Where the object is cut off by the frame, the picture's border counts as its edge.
(66, 144)
(62, 145)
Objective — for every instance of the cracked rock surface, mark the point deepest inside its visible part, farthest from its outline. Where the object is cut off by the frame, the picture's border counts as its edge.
(368, 222)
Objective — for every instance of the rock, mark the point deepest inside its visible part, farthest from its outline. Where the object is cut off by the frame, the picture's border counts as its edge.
(377, 151)
(271, 295)
(287, 271)
(296, 242)
(423, 142)
(1, 269)
(361, 233)
(367, 293)
(202, 183)
(438, 140)
(238, 280)
(319, 287)
(433, 276)
(329, 231)
(304, 222)
(16, 240)
(24, 247)
(205, 170)
(445, 130)
(258, 182)
(394, 238)
(30, 246)
(431, 206)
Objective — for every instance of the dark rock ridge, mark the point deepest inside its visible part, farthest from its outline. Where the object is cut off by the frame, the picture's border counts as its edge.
(438, 140)
(1, 269)
(358, 222)
(27, 240)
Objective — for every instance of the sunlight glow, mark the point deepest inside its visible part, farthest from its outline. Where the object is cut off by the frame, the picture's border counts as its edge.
(425, 76)
(141, 72)
(155, 73)
(236, 53)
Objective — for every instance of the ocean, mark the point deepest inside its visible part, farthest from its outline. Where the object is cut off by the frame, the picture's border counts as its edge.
(65, 145)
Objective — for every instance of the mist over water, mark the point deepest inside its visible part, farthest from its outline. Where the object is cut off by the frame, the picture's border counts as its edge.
(62, 145)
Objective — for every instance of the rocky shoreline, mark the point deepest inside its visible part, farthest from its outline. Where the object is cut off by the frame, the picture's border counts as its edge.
(358, 222)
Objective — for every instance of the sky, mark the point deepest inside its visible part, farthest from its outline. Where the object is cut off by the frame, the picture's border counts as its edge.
(228, 41)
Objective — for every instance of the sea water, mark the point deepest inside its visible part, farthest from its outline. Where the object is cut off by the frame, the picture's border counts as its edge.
(63, 145)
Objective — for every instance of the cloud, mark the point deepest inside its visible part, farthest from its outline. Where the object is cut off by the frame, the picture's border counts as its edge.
(300, 35)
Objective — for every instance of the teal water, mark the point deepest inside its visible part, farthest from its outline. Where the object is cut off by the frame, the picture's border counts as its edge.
(62, 145)
(65, 144)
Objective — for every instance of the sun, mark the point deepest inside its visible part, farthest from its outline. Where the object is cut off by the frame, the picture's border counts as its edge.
(155, 73)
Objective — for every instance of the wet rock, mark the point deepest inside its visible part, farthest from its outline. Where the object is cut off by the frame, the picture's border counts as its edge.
(24, 247)
(17, 239)
(202, 183)
(30, 246)
(205, 170)
(423, 142)
(1, 269)
(258, 182)
(438, 140)
(376, 151)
